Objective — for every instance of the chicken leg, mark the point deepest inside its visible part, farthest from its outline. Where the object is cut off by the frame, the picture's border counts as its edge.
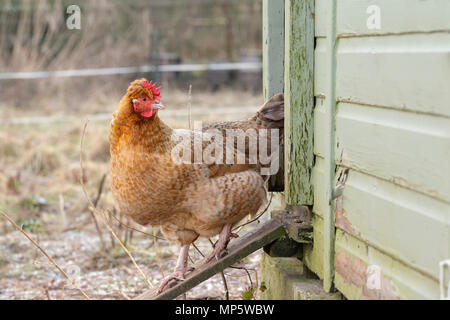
(180, 270)
(221, 245)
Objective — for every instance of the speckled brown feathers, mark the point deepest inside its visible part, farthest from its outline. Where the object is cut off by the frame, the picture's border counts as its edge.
(186, 200)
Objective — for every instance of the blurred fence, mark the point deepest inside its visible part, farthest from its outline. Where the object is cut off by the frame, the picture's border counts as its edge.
(211, 44)
(229, 66)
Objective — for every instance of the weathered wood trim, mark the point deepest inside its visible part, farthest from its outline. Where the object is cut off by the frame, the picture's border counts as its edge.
(299, 100)
(273, 67)
(329, 231)
(240, 248)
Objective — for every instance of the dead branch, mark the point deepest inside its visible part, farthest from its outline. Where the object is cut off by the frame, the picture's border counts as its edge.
(62, 211)
(225, 286)
(189, 107)
(132, 228)
(248, 274)
(100, 190)
(257, 217)
(158, 260)
(99, 193)
(196, 248)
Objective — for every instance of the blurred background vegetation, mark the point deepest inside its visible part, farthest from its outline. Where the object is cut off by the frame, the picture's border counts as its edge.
(115, 33)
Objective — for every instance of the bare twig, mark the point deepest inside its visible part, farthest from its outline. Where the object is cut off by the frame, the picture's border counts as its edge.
(127, 231)
(99, 194)
(224, 280)
(248, 274)
(189, 106)
(158, 260)
(5, 215)
(111, 238)
(259, 215)
(131, 236)
(47, 293)
(100, 190)
(196, 248)
(97, 227)
(225, 286)
(190, 259)
(124, 295)
(62, 211)
(100, 214)
(132, 228)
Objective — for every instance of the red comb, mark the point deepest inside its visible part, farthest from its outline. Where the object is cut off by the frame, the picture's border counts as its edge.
(152, 87)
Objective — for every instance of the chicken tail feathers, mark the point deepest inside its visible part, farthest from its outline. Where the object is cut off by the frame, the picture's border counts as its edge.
(271, 114)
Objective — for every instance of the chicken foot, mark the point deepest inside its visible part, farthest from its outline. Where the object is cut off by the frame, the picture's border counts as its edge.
(180, 270)
(221, 245)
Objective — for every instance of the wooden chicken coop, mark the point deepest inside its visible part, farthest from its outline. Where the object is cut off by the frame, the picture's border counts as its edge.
(367, 146)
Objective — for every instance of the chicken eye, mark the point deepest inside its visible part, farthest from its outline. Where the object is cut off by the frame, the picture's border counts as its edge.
(145, 99)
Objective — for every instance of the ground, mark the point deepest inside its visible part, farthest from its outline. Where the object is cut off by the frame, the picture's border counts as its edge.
(40, 190)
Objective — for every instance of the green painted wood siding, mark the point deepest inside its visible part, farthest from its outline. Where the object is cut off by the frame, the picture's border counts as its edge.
(391, 130)
(381, 114)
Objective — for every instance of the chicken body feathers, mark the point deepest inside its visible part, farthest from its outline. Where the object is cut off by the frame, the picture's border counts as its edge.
(186, 199)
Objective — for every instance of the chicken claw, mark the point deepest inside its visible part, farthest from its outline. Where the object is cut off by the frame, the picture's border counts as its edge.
(177, 275)
(221, 246)
(180, 270)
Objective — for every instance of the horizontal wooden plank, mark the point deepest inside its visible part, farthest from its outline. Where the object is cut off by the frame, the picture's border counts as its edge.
(409, 72)
(399, 221)
(396, 16)
(408, 149)
(363, 272)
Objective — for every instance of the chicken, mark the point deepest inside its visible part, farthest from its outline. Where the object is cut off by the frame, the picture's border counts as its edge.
(185, 199)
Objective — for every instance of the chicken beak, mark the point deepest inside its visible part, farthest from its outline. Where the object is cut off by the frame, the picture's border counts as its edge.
(158, 105)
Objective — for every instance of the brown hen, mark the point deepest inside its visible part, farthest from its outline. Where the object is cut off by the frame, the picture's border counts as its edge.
(187, 199)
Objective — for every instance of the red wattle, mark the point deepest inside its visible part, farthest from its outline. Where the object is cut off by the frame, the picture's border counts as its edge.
(147, 114)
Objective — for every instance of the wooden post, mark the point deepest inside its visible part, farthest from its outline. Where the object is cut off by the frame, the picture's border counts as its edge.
(273, 67)
(329, 230)
(273, 47)
(299, 100)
